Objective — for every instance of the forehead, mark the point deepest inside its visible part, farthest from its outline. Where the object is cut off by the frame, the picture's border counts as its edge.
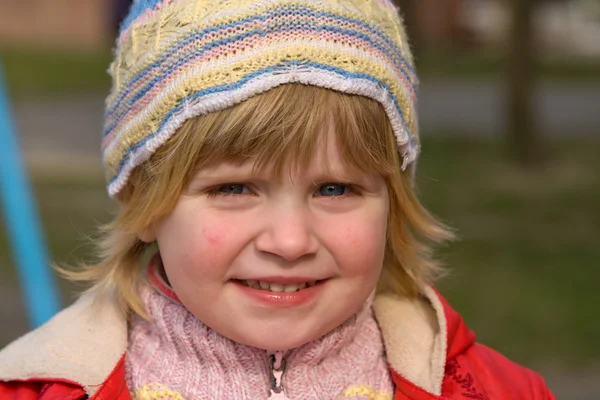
(328, 153)
(325, 158)
(292, 128)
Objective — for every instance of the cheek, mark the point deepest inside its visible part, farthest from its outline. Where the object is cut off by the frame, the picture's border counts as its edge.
(199, 246)
(213, 235)
(358, 245)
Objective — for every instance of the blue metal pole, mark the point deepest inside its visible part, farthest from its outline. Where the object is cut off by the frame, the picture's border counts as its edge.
(24, 231)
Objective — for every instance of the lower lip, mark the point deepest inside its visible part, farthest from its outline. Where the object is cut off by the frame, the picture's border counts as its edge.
(282, 299)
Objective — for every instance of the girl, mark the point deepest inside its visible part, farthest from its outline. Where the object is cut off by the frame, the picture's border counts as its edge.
(266, 151)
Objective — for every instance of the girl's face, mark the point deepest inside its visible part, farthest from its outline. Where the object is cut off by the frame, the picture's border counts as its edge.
(275, 263)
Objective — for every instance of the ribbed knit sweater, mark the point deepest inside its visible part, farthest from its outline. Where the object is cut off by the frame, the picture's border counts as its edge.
(176, 356)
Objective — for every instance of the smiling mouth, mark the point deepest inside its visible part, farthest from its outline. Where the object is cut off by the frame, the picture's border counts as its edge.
(278, 287)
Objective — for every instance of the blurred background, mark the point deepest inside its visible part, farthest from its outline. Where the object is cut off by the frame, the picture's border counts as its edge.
(510, 119)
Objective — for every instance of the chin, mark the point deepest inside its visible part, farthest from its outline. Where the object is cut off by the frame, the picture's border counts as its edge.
(275, 339)
(277, 344)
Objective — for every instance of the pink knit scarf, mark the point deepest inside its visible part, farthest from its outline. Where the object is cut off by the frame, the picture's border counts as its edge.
(176, 356)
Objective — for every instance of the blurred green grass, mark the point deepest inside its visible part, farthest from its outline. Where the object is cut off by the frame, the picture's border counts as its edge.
(524, 274)
(34, 72)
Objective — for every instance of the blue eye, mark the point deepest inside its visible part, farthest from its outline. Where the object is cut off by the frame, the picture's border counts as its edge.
(232, 188)
(333, 189)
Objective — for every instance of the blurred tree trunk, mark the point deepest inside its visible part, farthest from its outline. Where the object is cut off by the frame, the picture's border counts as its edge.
(454, 31)
(409, 11)
(523, 130)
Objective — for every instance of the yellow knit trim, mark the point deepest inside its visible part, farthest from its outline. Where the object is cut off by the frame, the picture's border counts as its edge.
(233, 72)
(367, 392)
(155, 391)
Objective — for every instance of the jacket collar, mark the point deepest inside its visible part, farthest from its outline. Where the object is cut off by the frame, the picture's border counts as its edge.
(81, 344)
(85, 342)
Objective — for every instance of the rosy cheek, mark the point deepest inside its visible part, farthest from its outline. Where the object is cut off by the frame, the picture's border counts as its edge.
(213, 235)
(355, 237)
(359, 245)
(367, 241)
(215, 242)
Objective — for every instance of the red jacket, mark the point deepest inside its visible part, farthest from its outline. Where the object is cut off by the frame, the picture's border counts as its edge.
(469, 370)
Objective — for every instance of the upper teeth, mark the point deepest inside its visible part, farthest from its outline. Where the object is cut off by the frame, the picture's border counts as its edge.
(278, 287)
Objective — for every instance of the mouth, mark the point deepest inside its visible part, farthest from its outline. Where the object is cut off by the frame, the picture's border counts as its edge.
(277, 287)
(282, 292)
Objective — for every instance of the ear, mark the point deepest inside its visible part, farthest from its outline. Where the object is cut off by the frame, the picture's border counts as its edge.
(147, 235)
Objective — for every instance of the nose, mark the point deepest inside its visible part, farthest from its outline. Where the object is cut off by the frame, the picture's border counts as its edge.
(287, 233)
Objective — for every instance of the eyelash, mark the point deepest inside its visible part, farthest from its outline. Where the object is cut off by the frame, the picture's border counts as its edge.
(214, 191)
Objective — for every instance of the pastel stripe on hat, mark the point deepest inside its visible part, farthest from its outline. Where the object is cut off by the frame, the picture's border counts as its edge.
(201, 43)
(179, 59)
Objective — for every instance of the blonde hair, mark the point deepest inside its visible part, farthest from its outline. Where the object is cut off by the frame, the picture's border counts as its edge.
(279, 129)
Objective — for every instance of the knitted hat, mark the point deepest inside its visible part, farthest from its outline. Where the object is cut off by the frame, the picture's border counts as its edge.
(178, 59)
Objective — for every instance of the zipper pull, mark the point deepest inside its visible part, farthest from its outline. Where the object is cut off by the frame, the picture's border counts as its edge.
(277, 366)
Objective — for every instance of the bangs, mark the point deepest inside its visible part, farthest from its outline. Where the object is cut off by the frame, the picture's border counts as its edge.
(282, 129)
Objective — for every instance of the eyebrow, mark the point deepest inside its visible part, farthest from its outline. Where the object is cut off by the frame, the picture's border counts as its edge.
(246, 172)
(217, 171)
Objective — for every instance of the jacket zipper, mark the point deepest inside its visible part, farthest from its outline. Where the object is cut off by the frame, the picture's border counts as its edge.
(277, 365)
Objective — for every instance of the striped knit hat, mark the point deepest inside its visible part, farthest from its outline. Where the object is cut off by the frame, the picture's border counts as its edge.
(177, 59)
